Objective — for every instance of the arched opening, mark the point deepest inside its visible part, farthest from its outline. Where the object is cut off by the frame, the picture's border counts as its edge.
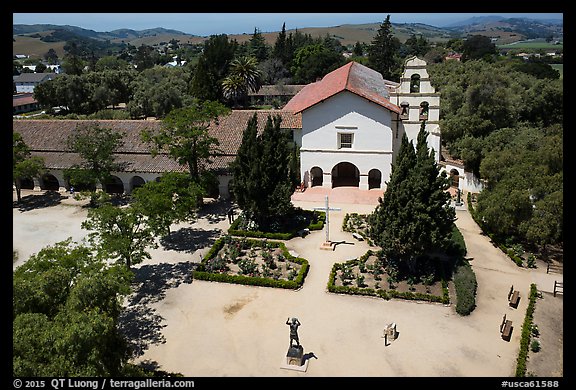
(374, 178)
(455, 176)
(136, 182)
(317, 176)
(415, 83)
(26, 183)
(85, 187)
(49, 182)
(114, 185)
(405, 106)
(424, 110)
(231, 190)
(345, 174)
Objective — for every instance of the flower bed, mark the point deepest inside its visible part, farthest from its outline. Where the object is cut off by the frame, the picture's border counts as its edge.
(253, 262)
(368, 276)
(357, 223)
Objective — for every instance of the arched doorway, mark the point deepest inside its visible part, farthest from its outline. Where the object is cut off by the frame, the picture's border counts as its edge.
(374, 178)
(345, 174)
(317, 176)
(49, 183)
(114, 185)
(136, 182)
(455, 176)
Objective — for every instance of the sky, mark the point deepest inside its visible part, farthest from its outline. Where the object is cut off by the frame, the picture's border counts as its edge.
(205, 24)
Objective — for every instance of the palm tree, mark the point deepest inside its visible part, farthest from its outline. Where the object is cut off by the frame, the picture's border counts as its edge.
(244, 76)
(234, 88)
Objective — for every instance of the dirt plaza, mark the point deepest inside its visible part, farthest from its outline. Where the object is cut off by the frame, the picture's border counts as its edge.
(208, 329)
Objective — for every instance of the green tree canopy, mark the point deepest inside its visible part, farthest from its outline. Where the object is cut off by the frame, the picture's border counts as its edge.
(66, 304)
(244, 77)
(263, 181)
(96, 147)
(383, 53)
(314, 61)
(171, 199)
(478, 47)
(184, 134)
(212, 68)
(122, 234)
(414, 217)
(24, 165)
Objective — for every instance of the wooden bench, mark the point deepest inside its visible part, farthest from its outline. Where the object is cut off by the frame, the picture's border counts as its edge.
(357, 236)
(506, 328)
(515, 299)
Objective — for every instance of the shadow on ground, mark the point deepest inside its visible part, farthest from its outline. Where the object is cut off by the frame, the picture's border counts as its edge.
(140, 323)
(189, 239)
(215, 211)
(37, 201)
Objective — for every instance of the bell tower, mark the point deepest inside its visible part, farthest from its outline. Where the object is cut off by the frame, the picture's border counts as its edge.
(419, 102)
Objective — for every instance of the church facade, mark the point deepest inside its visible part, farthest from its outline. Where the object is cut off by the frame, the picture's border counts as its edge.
(353, 122)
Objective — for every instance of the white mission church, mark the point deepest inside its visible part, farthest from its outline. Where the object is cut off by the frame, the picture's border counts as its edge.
(353, 122)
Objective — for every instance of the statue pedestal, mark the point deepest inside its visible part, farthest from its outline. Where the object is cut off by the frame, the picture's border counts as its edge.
(327, 245)
(295, 359)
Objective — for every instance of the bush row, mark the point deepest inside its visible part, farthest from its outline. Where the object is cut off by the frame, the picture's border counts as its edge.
(465, 285)
(526, 333)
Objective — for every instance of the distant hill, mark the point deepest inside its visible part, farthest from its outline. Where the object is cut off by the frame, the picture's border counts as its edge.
(476, 20)
(37, 39)
(509, 29)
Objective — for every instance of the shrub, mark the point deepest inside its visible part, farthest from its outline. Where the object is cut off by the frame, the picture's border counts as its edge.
(535, 346)
(465, 285)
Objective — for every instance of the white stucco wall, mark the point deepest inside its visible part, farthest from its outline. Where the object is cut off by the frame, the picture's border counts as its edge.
(370, 124)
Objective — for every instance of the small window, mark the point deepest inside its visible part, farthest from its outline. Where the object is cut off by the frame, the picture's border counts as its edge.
(345, 140)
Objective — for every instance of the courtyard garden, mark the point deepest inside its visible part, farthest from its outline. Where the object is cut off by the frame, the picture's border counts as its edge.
(371, 275)
(253, 262)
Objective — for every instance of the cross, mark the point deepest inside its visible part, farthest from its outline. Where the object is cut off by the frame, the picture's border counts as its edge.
(327, 244)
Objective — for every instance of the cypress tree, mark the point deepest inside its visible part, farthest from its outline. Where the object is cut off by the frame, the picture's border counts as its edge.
(414, 217)
(390, 222)
(276, 178)
(280, 47)
(245, 166)
(263, 181)
(383, 52)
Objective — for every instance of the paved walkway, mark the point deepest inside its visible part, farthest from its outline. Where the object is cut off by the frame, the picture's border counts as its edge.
(348, 195)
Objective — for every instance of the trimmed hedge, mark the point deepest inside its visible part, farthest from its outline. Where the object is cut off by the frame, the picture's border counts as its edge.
(234, 231)
(465, 284)
(526, 333)
(382, 293)
(201, 274)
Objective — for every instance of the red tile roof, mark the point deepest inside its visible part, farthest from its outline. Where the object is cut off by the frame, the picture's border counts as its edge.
(352, 77)
(47, 138)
